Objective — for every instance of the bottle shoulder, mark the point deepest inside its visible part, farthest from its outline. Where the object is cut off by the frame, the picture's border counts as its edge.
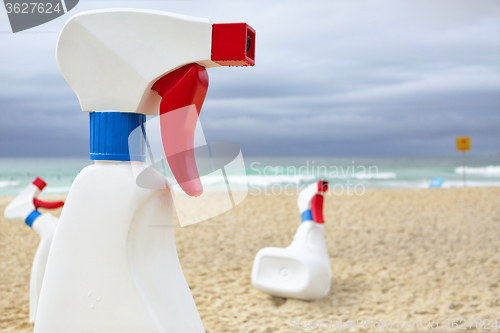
(122, 175)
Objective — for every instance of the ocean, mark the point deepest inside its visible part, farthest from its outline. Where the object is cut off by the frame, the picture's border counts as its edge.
(278, 174)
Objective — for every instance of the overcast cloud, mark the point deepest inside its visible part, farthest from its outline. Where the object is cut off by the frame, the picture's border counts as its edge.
(331, 78)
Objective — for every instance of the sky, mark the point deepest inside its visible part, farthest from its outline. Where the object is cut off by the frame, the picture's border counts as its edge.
(334, 78)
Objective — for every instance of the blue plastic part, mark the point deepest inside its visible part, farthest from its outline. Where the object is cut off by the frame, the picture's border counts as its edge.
(307, 216)
(109, 136)
(436, 182)
(32, 217)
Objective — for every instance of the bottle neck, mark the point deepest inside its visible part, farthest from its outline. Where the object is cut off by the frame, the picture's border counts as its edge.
(117, 136)
(307, 216)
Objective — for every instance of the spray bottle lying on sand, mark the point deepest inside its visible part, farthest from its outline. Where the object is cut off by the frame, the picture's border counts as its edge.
(113, 264)
(302, 270)
(24, 210)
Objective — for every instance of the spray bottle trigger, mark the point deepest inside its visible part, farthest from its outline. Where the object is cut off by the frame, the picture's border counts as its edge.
(49, 205)
(317, 208)
(183, 92)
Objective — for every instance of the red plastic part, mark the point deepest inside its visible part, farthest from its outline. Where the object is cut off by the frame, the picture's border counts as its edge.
(317, 208)
(181, 90)
(233, 44)
(38, 182)
(49, 205)
(183, 87)
(322, 186)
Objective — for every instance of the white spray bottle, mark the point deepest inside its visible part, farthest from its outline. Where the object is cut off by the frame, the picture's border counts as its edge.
(24, 210)
(302, 270)
(113, 265)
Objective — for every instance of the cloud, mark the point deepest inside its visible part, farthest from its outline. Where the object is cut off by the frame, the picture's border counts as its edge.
(331, 77)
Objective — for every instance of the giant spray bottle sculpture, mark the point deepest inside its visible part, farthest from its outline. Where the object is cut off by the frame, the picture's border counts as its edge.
(302, 270)
(24, 210)
(113, 265)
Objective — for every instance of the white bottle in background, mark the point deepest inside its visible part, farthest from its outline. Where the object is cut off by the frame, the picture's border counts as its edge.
(301, 270)
(113, 265)
(23, 210)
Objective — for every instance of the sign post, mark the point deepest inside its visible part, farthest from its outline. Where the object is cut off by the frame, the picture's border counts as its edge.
(463, 145)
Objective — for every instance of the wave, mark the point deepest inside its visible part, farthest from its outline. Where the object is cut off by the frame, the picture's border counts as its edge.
(56, 190)
(489, 171)
(258, 181)
(378, 175)
(8, 183)
(264, 181)
(470, 183)
(296, 180)
(407, 184)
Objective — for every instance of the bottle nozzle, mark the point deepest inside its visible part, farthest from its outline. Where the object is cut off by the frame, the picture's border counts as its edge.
(233, 44)
(183, 92)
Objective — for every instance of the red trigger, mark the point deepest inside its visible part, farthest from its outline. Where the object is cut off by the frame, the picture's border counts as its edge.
(317, 202)
(49, 205)
(317, 208)
(183, 92)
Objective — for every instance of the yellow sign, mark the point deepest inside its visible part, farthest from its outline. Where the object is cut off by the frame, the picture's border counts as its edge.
(463, 144)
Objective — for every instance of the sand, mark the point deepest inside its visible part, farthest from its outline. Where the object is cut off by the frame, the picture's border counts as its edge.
(396, 255)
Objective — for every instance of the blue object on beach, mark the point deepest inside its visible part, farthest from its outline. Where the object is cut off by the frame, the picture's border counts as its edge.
(436, 182)
(32, 217)
(307, 216)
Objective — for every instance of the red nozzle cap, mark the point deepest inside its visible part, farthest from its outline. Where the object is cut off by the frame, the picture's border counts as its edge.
(233, 44)
(38, 182)
(183, 92)
(322, 185)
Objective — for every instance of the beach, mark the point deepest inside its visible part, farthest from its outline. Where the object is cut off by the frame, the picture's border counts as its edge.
(397, 255)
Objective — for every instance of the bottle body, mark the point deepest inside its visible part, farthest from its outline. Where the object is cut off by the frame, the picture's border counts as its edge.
(45, 226)
(301, 270)
(113, 264)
